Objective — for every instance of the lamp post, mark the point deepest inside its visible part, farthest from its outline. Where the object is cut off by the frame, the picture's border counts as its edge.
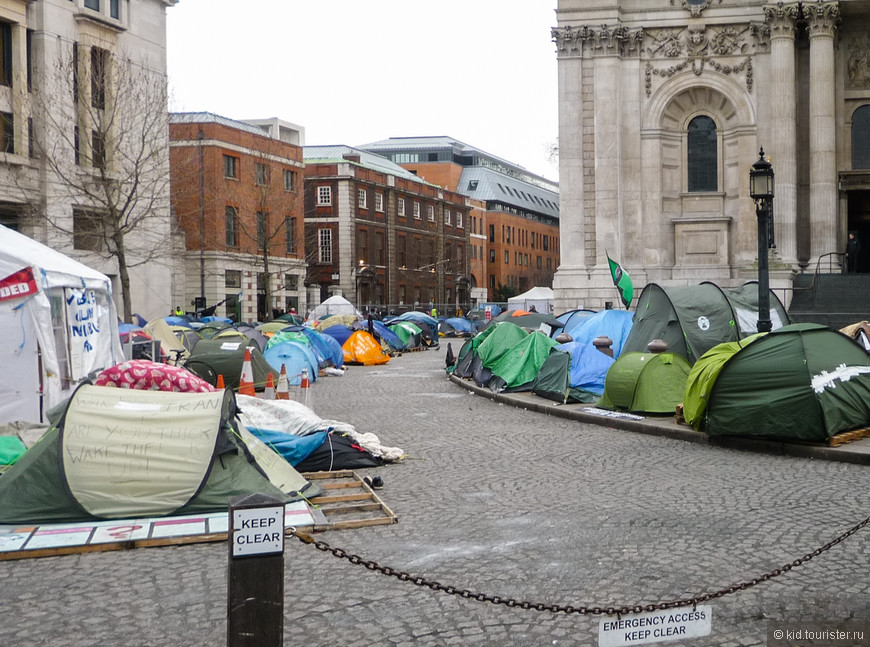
(761, 191)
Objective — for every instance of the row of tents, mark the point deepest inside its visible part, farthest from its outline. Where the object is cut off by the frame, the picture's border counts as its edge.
(801, 381)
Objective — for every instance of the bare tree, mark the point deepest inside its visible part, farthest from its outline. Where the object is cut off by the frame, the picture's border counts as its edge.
(274, 204)
(102, 139)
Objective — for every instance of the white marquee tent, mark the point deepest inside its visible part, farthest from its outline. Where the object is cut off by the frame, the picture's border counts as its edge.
(58, 324)
(541, 298)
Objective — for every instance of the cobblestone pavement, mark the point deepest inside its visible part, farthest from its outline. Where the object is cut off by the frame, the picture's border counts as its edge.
(498, 500)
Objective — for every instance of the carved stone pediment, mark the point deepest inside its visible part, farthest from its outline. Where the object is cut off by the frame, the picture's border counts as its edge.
(699, 40)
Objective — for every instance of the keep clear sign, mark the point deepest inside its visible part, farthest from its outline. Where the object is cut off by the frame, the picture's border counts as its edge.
(258, 531)
(655, 626)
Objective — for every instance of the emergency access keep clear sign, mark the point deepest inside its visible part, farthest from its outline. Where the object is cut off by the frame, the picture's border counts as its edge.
(258, 531)
(655, 626)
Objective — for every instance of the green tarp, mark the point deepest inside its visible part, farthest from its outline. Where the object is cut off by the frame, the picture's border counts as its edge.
(500, 340)
(520, 364)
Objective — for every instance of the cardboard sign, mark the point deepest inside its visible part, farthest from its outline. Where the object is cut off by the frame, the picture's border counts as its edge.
(18, 284)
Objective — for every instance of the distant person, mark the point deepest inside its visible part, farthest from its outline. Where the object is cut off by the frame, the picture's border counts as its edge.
(434, 312)
(533, 309)
(178, 312)
(853, 253)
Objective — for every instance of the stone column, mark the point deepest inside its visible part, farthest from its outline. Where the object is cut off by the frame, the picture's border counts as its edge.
(571, 272)
(822, 19)
(20, 91)
(782, 146)
(571, 211)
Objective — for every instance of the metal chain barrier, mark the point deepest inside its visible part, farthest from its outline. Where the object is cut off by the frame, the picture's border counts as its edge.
(558, 608)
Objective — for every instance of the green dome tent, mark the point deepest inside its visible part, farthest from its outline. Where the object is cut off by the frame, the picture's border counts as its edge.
(646, 383)
(694, 318)
(503, 337)
(801, 382)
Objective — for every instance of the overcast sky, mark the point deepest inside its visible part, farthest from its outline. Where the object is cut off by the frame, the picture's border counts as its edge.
(357, 71)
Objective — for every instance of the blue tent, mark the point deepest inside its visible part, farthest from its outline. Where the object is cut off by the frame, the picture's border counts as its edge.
(572, 318)
(382, 331)
(416, 317)
(589, 366)
(335, 350)
(339, 333)
(172, 320)
(295, 356)
(460, 326)
(320, 343)
(615, 324)
(212, 318)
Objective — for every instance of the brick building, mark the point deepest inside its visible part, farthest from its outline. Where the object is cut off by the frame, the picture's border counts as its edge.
(237, 195)
(514, 228)
(380, 236)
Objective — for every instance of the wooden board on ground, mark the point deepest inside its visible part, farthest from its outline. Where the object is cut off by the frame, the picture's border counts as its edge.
(347, 502)
(848, 436)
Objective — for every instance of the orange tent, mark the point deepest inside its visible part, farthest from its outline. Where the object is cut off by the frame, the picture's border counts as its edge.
(362, 348)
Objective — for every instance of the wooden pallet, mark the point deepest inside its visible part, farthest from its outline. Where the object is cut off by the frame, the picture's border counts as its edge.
(347, 502)
(848, 436)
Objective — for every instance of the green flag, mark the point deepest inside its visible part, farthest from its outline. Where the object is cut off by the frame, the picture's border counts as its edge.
(622, 281)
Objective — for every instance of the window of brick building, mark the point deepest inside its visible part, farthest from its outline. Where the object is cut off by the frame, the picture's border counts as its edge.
(324, 245)
(324, 196)
(261, 174)
(231, 166)
(232, 233)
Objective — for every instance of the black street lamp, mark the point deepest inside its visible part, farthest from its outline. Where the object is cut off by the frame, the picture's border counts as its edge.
(761, 190)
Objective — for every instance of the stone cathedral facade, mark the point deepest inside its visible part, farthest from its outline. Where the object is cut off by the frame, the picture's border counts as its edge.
(663, 107)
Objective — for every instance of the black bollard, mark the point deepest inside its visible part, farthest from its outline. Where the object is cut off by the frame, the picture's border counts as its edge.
(255, 574)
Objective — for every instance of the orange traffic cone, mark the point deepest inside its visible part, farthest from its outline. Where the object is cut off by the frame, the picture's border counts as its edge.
(246, 380)
(220, 382)
(269, 393)
(283, 390)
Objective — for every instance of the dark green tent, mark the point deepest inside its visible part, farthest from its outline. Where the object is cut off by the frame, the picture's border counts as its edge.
(213, 357)
(801, 382)
(125, 453)
(694, 318)
(646, 383)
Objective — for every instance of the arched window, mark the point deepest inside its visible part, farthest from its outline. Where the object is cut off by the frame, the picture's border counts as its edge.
(861, 138)
(702, 155)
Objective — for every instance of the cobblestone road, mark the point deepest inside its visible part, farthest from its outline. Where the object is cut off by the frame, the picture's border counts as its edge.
(498, 500)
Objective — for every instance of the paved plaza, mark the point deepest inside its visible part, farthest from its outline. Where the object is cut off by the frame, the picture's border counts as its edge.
(503, 501)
